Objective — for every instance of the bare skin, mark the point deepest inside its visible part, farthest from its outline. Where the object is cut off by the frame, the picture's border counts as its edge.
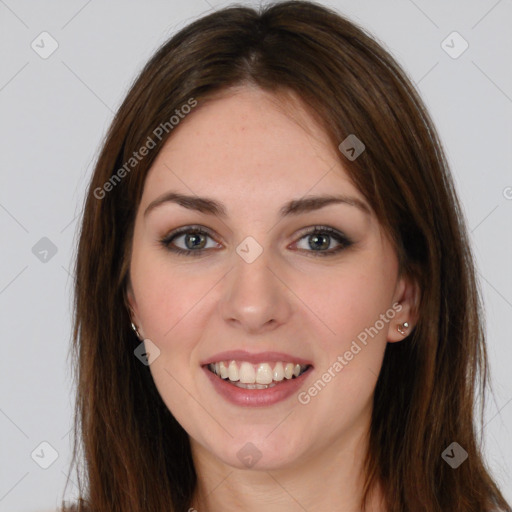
(253, 156)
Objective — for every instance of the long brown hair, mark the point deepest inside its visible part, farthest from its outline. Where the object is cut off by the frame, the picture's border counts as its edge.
(137, 457)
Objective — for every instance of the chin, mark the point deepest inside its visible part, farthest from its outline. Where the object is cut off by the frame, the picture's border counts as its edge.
(259, 451)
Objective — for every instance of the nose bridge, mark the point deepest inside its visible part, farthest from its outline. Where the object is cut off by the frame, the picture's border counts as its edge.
(252, 280)
(254, 297)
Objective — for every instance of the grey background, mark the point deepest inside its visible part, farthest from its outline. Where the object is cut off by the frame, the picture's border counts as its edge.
(54, 113)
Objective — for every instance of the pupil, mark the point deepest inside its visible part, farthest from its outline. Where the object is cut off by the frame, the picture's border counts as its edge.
(189, 237)
(325, 245)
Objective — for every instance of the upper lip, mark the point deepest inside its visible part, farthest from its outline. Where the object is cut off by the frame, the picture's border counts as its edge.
(258, 357)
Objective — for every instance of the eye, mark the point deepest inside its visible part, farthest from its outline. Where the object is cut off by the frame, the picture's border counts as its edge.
(319, 239)
(193, 237)
(195, 240)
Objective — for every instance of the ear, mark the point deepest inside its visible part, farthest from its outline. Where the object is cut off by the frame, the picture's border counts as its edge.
(407, 298)
(131, 305)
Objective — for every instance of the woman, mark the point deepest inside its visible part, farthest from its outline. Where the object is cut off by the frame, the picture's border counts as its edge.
(276, 302)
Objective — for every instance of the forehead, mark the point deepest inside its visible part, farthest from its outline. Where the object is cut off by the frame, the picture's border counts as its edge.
(248, 146)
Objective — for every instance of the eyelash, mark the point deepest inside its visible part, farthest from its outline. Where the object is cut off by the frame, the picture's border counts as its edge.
(339, 237)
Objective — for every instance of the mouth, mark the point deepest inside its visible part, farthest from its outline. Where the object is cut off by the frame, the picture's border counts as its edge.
(259, 376)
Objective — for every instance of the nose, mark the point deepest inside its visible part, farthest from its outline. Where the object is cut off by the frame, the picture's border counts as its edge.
(256, 298)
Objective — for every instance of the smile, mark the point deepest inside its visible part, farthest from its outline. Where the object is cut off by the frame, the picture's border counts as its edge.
(256, 376)
(254, 394)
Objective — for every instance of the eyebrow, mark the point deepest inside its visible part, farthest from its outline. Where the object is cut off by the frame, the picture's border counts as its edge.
(294, 207)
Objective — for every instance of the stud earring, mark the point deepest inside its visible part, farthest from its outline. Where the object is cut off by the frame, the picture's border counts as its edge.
(136, 331)
(401, 328)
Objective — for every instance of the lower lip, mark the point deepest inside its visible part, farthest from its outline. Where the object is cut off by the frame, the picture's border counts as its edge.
(257, 397)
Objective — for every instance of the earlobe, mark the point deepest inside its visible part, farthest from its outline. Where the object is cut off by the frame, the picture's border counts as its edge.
(408, 295)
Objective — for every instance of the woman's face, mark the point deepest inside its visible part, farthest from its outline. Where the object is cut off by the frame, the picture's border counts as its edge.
(258, 282)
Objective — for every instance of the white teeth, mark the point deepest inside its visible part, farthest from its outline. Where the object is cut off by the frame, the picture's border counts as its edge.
(253, 376)
(247, 374)
(264, 374)
(223, 370)
(233, 371)
(278, 372)
(253, 386)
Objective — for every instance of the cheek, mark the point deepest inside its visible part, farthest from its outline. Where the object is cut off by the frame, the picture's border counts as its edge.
(169, 304)
(351, 356)
(352, 301)
(356, 307)
(166, 298)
